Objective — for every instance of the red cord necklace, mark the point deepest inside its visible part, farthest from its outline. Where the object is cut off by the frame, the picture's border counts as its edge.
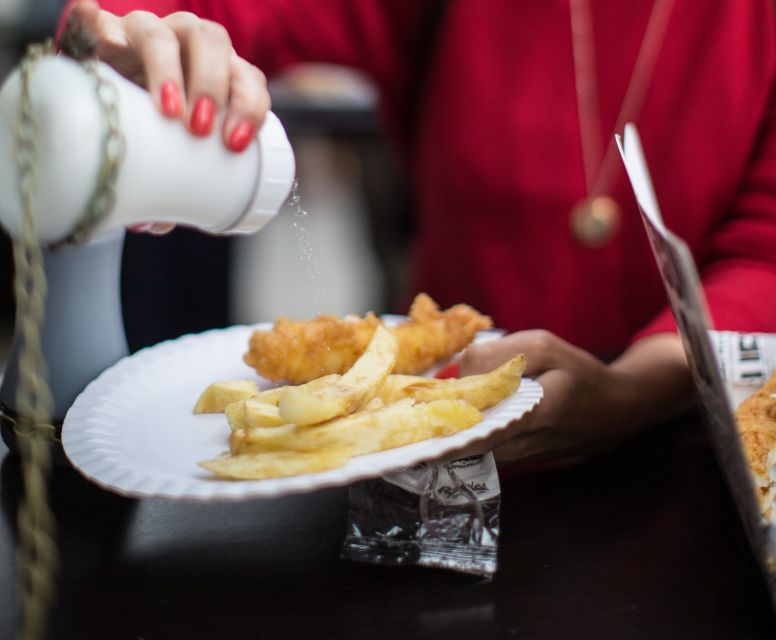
(595, 218)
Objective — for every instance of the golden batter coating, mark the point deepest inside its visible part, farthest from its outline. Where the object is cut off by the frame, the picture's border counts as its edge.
(300, 351)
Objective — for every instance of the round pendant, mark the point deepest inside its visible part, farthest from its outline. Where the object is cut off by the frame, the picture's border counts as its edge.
(594, 220)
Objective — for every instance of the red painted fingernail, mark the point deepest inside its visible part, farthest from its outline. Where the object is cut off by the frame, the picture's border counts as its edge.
(241, 136)
(170, 97)
(450, 371)
(202, 116)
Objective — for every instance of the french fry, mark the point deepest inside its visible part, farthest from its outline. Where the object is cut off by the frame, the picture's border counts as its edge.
(357, 386)
(482, 390)
(235, 415)
(276, 464)
(394, 425)
(397, 386)
(219, 394)
(248, 413)
(272, 395)
(373, 405)
(261, 414)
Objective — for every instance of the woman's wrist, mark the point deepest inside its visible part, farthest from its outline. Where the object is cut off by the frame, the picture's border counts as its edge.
(651, 382)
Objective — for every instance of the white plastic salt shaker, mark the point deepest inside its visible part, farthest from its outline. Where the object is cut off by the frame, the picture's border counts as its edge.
(167, 174)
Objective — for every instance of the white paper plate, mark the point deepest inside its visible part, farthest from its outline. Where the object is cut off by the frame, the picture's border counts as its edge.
(132, 429)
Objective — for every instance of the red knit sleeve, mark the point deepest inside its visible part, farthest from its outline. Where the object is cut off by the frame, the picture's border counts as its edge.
(739, 264)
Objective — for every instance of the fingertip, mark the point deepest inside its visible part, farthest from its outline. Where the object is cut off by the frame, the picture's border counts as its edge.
(83, 11)
(84, 7)
(154, 228)
(170, 99)
(143, 227)
(202, 116)
(249, 102)
(452, 370)
(241, 135)
(161, 228)
(74, 32)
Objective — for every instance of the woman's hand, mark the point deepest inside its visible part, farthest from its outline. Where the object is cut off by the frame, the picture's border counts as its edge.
(187, 64)
(588, 407)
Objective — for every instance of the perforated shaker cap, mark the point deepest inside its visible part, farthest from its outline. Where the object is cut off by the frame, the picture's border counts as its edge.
(276, 176)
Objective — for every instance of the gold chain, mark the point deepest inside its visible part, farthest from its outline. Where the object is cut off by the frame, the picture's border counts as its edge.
(38, 556)
(113, 148)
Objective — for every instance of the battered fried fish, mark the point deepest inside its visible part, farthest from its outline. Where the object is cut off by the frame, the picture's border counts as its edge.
(300, 351)
(756, 420)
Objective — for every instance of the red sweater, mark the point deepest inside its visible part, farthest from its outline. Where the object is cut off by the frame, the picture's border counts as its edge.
(497, 161)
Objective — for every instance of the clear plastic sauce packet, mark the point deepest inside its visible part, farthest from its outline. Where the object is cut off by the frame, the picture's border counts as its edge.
(438, 514)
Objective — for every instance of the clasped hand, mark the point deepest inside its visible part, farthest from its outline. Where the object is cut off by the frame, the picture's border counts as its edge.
(589, 407)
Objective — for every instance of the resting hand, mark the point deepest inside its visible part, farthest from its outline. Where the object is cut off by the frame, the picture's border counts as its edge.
(187, 64)
(588, 406)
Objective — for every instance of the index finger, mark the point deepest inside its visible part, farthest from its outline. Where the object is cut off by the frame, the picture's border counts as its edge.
(158, 48)
(539, 347)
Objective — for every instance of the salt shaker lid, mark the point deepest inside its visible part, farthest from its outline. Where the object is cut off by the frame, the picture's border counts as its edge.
(275, 177)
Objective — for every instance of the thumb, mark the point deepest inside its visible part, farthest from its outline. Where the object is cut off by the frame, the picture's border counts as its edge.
(75, 31)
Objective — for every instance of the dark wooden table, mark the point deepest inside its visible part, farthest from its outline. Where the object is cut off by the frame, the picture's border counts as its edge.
(642, 544)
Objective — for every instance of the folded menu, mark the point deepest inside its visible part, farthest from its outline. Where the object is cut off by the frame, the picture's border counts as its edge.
(732, 372)
(748, 366)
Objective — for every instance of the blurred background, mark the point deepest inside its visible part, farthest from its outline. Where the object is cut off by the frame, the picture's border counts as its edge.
(339, 247)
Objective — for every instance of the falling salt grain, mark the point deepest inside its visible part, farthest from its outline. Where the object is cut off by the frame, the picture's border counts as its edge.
(311, 289)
